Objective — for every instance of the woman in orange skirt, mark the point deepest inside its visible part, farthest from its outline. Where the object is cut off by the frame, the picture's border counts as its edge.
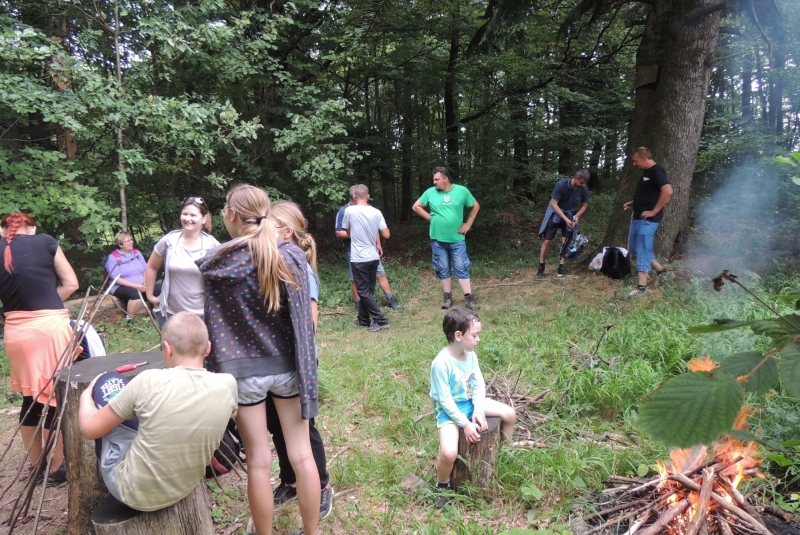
(35, 278)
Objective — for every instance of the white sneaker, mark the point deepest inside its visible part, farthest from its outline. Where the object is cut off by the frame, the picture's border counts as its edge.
(636, 292)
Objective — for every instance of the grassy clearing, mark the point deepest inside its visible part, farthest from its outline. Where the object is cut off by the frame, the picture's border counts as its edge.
(373, 387)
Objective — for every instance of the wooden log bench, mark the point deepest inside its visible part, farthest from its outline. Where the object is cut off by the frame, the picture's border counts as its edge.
(475, 463)
(87, 490)
(190, 516)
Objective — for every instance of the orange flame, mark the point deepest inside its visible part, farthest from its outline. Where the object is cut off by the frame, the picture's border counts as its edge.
(702, 364)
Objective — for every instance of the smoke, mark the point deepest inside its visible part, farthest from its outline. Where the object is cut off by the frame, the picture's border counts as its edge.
(736, 227)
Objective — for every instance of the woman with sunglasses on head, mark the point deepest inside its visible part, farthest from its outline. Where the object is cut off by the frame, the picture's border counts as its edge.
(182, 289)
(258, 313)
(35, 279)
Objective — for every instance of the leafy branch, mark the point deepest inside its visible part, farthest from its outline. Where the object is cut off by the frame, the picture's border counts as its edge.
(699, 406)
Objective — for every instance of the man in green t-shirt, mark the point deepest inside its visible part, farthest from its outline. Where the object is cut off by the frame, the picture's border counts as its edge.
(446, 202)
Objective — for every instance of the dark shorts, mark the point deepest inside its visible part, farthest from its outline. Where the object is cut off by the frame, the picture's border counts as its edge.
(552, 228)
(32, 411)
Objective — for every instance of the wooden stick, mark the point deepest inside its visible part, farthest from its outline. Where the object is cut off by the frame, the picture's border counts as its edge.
(616, 508)
(722, 522)
(740, 500)
(623, 479)
(702, 505)
(786, 516)
(723, 503)
(619, 519)
(639, 523)
(419, 418)
(671, 514)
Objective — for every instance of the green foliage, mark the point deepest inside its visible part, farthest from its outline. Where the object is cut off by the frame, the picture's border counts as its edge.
(765, 376)
(794, 161)
(693, 408)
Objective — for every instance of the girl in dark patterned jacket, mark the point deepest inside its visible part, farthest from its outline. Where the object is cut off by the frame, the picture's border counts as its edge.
(258, 314)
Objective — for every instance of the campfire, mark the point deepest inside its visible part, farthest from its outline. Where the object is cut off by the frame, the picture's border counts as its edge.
(695, 493)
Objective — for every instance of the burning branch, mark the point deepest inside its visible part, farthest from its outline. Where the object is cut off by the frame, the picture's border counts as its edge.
(695, 495)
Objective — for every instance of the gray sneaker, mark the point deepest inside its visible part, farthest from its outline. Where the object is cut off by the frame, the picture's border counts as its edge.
(470, 302)
(394, 303)
(326, 502)
(375, 327)
(447, 301)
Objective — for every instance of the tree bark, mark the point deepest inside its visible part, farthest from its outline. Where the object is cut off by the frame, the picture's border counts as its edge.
(673, 65)
(451, 104)
(477, 466)
(406, 144)
(747, 88)
(519, 124)
(190, 516)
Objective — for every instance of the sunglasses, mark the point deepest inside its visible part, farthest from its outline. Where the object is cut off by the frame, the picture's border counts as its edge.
(198, 200)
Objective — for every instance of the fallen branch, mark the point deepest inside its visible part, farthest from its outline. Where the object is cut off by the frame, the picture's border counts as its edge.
(701, 512)
(421, 417)
(722, 503)
(671, 514)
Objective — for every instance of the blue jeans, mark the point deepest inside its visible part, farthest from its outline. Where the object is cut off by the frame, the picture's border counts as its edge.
(444, 253)
(642, 233)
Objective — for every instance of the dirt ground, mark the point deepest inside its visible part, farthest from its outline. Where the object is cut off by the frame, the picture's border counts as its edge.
(12, 483)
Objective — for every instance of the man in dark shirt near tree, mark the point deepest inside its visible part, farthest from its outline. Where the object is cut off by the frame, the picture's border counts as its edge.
(561, 214)
(653, 192)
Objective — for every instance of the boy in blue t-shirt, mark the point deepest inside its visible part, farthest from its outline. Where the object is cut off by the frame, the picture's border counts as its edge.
(459, 393)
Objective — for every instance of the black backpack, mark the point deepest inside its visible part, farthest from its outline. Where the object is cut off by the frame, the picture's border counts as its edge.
(616, 264)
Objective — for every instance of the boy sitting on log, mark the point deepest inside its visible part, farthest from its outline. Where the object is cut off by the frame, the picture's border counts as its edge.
(158, 433)
(459, 394)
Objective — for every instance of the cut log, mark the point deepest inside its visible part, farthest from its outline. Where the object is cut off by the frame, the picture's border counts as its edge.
(85, 488)
(475, 463)
(190, 516)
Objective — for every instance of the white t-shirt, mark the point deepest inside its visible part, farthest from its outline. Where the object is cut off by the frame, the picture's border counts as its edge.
(183, 287)
(364, 222)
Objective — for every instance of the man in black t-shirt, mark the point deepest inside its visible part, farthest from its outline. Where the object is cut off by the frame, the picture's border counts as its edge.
(568, 194)
(653, 192)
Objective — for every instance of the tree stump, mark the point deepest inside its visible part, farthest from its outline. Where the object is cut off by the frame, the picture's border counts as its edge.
(85, 487)
(475, 463)
(190, 516)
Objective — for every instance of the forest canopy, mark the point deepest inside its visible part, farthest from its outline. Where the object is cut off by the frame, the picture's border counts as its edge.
(111, 112)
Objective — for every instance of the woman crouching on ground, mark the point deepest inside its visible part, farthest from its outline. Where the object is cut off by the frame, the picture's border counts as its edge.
(35, 278)
(258, 314)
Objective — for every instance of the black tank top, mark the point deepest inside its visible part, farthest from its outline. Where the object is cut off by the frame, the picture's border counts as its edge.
(32, 284)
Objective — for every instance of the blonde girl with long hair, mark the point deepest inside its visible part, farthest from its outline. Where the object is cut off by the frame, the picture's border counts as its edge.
(291, 226)
(258, 314)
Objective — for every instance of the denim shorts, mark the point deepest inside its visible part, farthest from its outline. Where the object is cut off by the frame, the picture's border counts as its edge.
(444, 253)
(381, 271)
(254, 390)
(642, 233)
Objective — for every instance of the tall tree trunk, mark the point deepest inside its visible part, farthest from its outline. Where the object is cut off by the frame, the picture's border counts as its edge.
(123, 203)
(610, 155)
(747, 88)
(776, 93)
(406, 144)
(567, 155)
(594, 163)
(673, 65)
(519, 124)
(450, 102)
